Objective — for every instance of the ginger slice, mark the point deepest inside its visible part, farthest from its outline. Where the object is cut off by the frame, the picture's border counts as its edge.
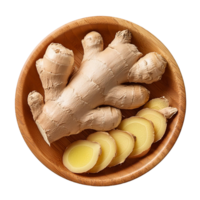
(108, 148)
(81, 156)
(125, 143)
(157, 103)
(162, 105)
(158, 119)
(143, 130)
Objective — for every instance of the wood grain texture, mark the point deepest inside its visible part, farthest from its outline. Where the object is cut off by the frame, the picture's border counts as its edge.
(70, 35)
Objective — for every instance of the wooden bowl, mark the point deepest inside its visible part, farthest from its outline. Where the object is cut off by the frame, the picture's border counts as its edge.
(70, 35)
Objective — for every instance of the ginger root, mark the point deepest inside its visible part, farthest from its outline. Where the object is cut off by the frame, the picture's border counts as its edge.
(70, 107)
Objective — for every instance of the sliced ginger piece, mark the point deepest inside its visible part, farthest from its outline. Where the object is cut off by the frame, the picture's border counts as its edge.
(143, 130)
(158, 119)
(157, 103)
(81, 156)
(162, 105)
(125, 143)
(108, 150)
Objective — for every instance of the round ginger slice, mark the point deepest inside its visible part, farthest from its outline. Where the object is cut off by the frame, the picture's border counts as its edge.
(81, 156)
(125, 143)
(159, 121)
(143, 130)
(157, 103)
(108, 150)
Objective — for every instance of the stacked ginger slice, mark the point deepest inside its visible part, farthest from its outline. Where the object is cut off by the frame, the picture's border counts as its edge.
(132, 139)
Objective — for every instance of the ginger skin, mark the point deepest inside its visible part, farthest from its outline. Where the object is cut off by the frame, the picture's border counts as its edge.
(71, 107)
(168, 112)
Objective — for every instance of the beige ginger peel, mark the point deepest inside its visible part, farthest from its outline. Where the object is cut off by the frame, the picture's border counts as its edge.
(69, 107)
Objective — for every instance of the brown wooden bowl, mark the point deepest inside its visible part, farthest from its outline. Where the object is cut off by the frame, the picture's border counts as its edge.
(70, 35)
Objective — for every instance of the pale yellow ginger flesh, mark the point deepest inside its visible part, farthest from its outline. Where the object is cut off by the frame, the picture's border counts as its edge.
(81, 156)
(157, 103)
(125, 144)
(143, 130)
(74, 104)
(158, 119)
(108, 150)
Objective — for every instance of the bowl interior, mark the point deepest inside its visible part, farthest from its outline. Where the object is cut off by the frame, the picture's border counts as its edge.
(70, 35)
